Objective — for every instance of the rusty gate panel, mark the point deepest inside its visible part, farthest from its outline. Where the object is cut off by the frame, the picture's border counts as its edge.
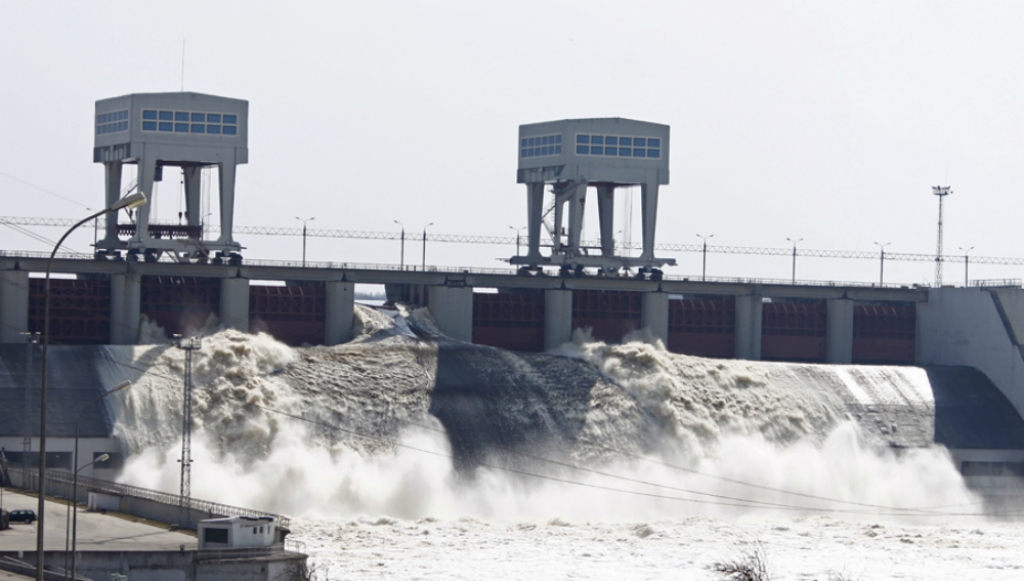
(513, 321)
(610, 314)
(179, 304)
(293, 315)
(79, 310)
(885, 334)
(703, 327)
(793, 331)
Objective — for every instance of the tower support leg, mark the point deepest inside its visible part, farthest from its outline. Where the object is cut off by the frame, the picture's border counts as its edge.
(606, 215)
(649, 199)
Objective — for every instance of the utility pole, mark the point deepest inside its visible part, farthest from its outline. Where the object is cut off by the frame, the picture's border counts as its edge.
(704, 261)
(941, 192)
(425, 245)
(881, 267)
(518, 230)
(304, 238)
(185, 501)
(794, 255)
(402, 260)
(966, 260)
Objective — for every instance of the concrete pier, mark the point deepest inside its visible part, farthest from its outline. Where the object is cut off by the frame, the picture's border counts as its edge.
(557, 318)
(13, 306)
(338, 312)
(125, 299)
(234, 303)
(654, 314)
(452, 309)
(748, 327)
(839, 331)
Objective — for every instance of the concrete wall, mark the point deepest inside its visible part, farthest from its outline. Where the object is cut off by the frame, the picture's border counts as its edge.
(557, 318)
(452, 309)
(125, 305)
(748, 327)
(13, 306)
(839, 331)
(654, 314)
(234, 303)
(338, 312)
(964, 326)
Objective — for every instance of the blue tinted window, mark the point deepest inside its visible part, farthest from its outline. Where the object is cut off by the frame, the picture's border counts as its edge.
(200, 117)
(198, 128)
(166, 116)
(625, 141)
(623, 152)
(638, 153)
(124, 114)
(558, 149)
(610, 151)
(525, 143)
(653, 143)
(655, 153)
(611, 140)
(149, 114)
(123, 126)
(545, 140)
(149, 125)
(639, 142)
(181, 127)
(558, 139)
(164, 126)
(213, 118)
(522, 153)
(598, 139)
(230, 130)
(231, 119)
(181, 116)
(582, 149)
(596, 150)
(582, 139)
(215, 129)
(99, 119)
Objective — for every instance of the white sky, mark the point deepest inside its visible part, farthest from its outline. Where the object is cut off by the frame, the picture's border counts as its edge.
(827, 121)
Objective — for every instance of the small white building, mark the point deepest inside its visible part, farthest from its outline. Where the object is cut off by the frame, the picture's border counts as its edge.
(237, 532)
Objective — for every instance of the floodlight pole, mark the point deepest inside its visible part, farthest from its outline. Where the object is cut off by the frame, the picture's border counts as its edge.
(127, 203)
(881, 267)
(304, 222)
(401, 263)
(966, 260)
(425, 245)
(704, 261)
(941, 192)
(794, 255)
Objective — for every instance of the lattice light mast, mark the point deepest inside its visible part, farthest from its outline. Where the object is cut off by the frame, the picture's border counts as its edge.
(941, 192)
(185, 501)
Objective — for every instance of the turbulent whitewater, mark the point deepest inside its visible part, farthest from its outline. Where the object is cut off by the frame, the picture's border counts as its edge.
(405, 433)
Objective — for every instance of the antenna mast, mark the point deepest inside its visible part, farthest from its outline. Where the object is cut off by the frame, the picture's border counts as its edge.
(941, 192)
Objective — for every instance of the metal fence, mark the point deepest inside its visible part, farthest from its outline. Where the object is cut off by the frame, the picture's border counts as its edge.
(29, 478)
(996, 283)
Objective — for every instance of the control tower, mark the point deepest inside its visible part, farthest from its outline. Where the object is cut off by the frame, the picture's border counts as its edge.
(189, 131)
(574, 154)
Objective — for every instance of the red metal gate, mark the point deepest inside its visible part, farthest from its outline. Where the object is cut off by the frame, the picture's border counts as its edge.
(610, 314)
(79, 310)
(704, 327)
(793, 331)
(293, 315)
(513, 321)
(885, 334)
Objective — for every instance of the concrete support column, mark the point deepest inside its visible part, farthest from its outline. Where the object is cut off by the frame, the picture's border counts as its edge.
(227, 201)
(338, 312)
(557, 318)
(125, 303)
(649, 211)
(234, 303)
(606, 217)
(748, 327)
(534, 218)
(839, 331)
(146, 179)
(452, 309)
(654, 315)
(192, 175)
(13, 306)
(112, 174)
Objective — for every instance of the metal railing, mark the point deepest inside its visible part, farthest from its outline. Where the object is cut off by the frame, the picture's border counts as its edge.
(86, 483)
(996, 283)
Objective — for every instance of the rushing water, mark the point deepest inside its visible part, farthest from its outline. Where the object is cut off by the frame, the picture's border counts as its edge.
(417, 457)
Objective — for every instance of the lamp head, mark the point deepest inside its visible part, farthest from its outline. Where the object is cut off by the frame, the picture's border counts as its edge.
(102, 458)
(128, 202)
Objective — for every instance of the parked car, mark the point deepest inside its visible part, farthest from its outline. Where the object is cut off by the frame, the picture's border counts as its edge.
(23, 515)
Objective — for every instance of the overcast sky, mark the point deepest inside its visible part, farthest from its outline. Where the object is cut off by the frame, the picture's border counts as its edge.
(826, 121)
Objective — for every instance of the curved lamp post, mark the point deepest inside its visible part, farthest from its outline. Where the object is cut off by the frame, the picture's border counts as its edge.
(425, 245)
(704, 261)
(402, 260)
(304, 222)
(128, 202)
(966, 252)
(74, 487)
(74, 506)
(881, 265)
(794, 255)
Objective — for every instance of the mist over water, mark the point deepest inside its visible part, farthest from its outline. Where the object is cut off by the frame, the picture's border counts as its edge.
(393, 425)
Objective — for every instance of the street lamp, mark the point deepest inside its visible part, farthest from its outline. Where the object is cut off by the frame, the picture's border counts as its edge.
(304, 222)
(128, 202)
(881, 267)
(794, 255)
(74, 487)
(966, 252)
(704, 264)
(518, 230)
(402, 263)
(425, 245)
